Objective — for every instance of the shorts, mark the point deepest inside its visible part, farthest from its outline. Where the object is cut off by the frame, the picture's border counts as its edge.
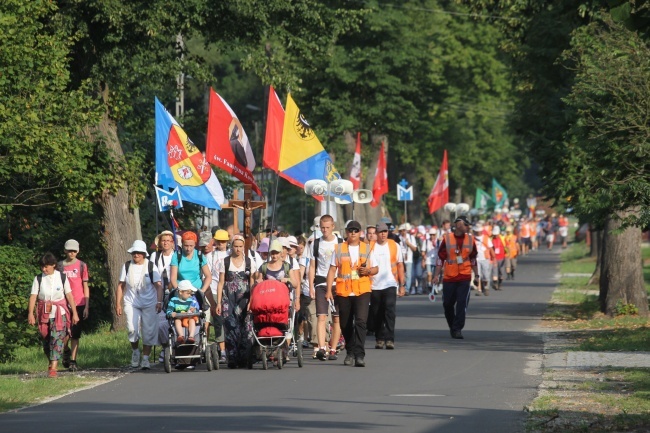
(142, 321)
(186, 321)
(431, 269)
(484, 269)
(322, 306)
(527, 242)
(550, 238)
(75, 330)
(511, 263)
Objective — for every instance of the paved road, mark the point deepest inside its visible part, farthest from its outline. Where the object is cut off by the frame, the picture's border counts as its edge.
(431, 383)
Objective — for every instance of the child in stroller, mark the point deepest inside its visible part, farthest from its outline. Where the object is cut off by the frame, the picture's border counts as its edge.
(184, 302)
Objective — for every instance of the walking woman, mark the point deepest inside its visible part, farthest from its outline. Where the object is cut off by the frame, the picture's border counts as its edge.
(55, 312)
(233, 294)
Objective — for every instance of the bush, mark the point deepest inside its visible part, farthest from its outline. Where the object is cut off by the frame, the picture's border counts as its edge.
(623, 309)
(17, 270)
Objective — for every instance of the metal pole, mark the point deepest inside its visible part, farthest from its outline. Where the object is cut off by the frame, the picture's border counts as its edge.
(405, 215)
(275, 197)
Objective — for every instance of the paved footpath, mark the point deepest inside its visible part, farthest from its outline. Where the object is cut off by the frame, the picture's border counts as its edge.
(431, 383)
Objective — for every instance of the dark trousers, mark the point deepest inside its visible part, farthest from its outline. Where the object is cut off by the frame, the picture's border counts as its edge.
(455, 301)
(382, 313)
(353, 314)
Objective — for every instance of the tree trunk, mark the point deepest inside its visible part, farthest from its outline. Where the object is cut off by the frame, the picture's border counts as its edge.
(597, 251)
(621, 276)
(121, 223)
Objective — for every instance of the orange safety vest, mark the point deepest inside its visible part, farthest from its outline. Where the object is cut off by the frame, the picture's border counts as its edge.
(511, 245)
(392, 247)
(345, 285)
(452, 267)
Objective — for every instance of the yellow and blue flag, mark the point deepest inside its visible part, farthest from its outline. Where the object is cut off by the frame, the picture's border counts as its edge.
(179, 163)
(301, 155)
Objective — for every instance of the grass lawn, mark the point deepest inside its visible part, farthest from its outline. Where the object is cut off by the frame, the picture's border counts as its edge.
(23, 381)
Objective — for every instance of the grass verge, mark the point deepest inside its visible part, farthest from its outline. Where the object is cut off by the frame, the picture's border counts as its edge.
(599, 399)
(22, 380)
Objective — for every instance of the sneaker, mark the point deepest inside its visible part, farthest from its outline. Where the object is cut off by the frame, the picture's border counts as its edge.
(190, 340)
(332, 356)
(145, 365)
(51, 373)
(135, 358)
(341, 344)
(412, 292)
(486, 292)
(180, 340)
(349, 360)
(457, 335)
(190, 367)
(161, 357)
(222, 360)
(306, 344)
(360, 362)
(321, 354)
(478, 293)
(66, 357)
(390, 345)
(73, 366)
(379, 344)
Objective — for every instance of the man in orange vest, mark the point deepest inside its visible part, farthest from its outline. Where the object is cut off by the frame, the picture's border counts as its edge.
(512, 251)
(352, 264)
(383, 298)
(457, 260)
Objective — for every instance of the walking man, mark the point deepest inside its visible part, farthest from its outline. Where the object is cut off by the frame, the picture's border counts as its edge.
(456, 260)
(383, 298)
(352, 264)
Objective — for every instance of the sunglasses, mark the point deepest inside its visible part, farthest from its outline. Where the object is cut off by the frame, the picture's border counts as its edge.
(352, 230)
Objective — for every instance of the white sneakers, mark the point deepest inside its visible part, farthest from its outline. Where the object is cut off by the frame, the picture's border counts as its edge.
(135, 358)
(145, 365)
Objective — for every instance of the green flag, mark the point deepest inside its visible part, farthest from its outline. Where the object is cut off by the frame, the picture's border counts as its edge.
(499, 194)
(483, 200)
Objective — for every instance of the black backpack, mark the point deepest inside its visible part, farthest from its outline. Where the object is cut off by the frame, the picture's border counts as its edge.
(39, 279)
(128, 264)
(226, 265)
(316, 247)
(179, 255)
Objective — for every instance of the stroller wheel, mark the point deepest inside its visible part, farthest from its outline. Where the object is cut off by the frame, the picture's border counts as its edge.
(265, 360)
(279, 358)
(168, 359)
(215, 355)
(208, 357)
(299, 355)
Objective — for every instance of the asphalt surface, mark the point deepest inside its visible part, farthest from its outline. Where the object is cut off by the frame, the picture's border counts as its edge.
(430, 383)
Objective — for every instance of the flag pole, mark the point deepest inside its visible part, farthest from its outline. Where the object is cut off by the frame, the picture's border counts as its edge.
(275, 199)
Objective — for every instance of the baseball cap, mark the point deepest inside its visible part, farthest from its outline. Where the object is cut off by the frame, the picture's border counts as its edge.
(204, 239)
(353, 225)
(71, 245)
(284, 242)
(382, 227)
(186, 285)
(433, 231)
(293, 242)
(462, 218)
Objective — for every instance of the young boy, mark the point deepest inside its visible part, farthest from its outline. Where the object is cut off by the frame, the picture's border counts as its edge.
(76, 273)
(184, 302)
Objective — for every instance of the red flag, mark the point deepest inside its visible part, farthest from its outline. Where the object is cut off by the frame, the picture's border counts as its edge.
(440, 192)
(380, 185)
(355, 171)
(227, 144)
(274, 127)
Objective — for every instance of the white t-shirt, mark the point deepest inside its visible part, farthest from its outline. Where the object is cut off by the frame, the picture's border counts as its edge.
(481, 251)
(295, 265)
(325, 254)
(563, 231)
(217, 257)
(139, 291)
(384, 278)
(304, 283)
(430, 249)
(235, 268)
(51, 290)
(354, 258)
(163, 263)
(406, 250)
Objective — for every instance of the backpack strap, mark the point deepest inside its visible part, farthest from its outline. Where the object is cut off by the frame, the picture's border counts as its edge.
(150, 271)
(39, 280)
(316, 246)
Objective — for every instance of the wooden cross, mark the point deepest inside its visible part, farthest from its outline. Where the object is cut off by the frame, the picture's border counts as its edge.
(248, 206)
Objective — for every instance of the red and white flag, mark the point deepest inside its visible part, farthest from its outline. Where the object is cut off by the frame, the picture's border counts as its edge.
(227, 144)
(439, 195)
(355, 171)
(380, 185)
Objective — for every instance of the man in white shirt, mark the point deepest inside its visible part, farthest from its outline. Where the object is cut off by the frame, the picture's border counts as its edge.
(484, 258)
(383, 298)
(429, 255)
(320, 255)
(409, 245)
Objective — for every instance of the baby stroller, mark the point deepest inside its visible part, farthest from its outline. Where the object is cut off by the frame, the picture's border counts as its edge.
(273, 324)
(184, 355)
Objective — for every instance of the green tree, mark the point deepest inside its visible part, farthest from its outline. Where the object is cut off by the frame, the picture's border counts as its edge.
(607, 173)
